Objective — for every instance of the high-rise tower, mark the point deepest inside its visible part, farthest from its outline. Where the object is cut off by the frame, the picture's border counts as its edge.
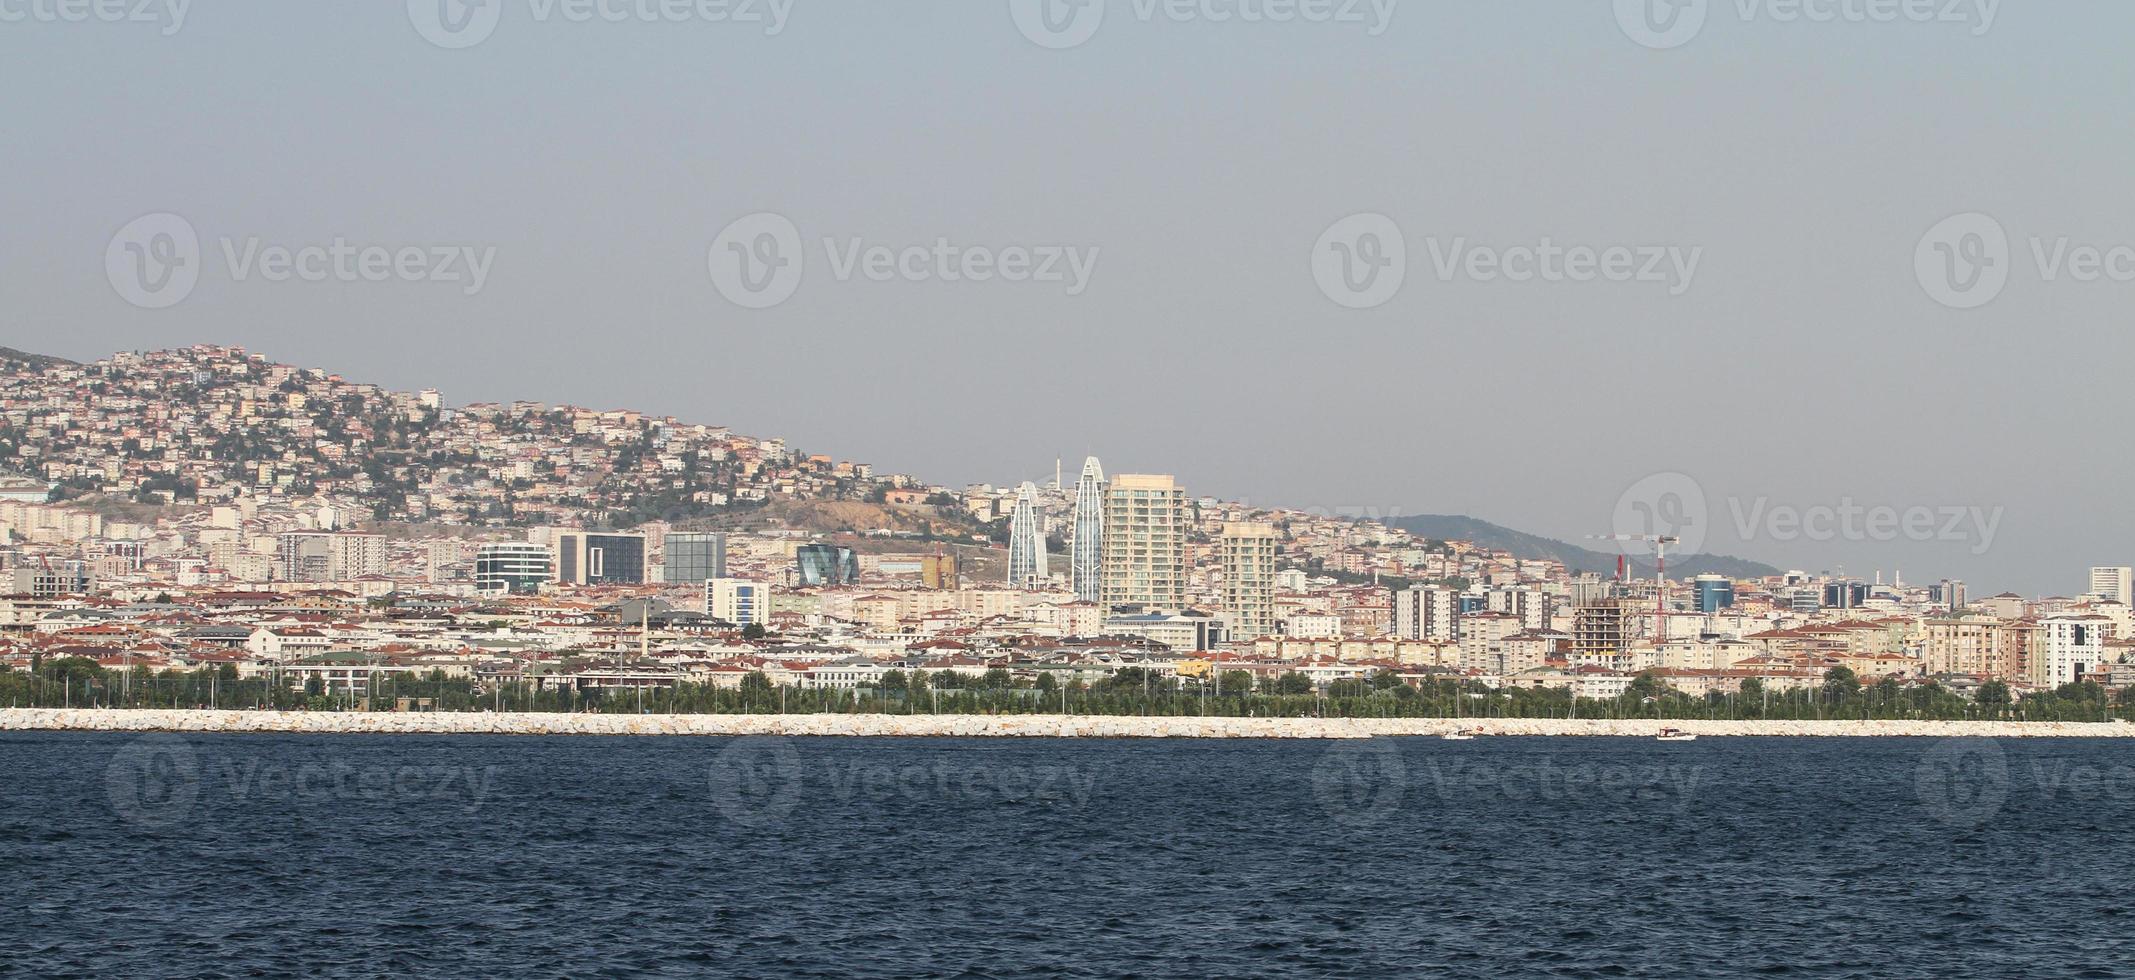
(1087, 553)
(1026, 540)
(1249, 554)
(1145, 541)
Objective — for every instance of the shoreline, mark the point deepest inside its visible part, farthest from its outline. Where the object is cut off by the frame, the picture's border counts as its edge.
(988, 726)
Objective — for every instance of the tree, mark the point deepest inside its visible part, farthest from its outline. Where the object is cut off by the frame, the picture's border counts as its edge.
(1290, 683)
(1238, 682)
(1841, 683)
(754, 631)
(894, 680)
(1646, 687)
(1349, 687)
(755, 685)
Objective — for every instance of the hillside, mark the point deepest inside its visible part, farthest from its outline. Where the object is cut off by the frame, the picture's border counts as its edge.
(1448, 527)
(13, 359)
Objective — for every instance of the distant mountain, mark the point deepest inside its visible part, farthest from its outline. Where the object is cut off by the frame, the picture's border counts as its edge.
(1451, 527)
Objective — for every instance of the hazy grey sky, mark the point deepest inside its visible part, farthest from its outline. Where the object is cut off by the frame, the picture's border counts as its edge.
(1804, 363)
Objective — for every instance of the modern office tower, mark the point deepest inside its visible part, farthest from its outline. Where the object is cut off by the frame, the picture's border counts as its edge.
(2115, 582)
(1845, 594)
(1026, 540)
(1950, 592)
(1713, 593)
(512, 566)
(738, 600)
(695, 556)
(1427, 613)
(1603, 626)
(600, 558)
(1087, 553)
(827, 564)
(328, 556)
(1145, 525)
(1249, 551)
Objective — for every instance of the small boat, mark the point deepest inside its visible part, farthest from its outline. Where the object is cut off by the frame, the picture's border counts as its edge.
(1461, 735)
(1675, 735)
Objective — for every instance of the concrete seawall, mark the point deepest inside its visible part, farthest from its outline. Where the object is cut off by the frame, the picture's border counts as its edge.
(1030, 726)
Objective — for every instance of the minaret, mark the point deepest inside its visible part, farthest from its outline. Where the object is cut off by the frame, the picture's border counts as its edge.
(1087, 553)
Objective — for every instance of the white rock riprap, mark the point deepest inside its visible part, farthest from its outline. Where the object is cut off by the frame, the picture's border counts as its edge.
(1028, 726)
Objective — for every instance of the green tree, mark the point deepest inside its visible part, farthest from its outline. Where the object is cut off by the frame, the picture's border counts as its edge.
(1840, 683)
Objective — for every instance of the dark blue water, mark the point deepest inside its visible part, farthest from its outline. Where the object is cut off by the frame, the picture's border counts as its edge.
(476, 856)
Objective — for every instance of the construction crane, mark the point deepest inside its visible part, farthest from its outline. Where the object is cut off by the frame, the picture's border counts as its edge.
(1660, 543)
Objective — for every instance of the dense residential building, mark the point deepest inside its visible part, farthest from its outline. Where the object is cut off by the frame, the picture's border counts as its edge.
(1427, 613)
(2114, 582)
(742, 602)
(1250, 551)
(329, 556)
(284, 517)
(1145, 528)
